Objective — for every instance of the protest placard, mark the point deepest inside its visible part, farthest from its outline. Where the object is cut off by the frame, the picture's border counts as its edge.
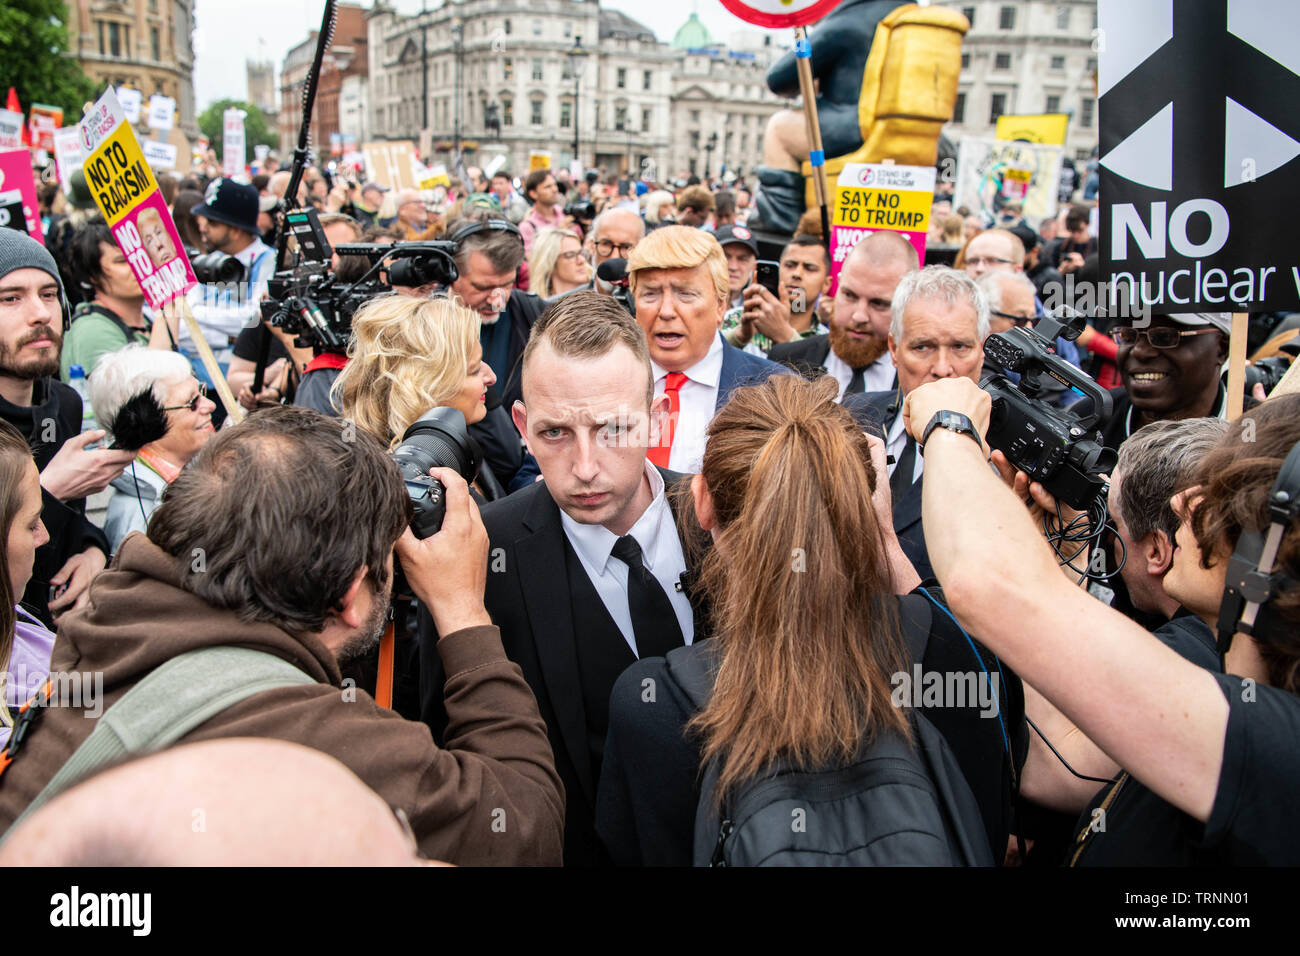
(67, 155)
(11, 129)
(871, 197)
(162, 112)
(1045, 128)
(992, 173)
(539, 160)
(160, 155)
(127, 193)
(131, 101)
(16, 177)
(232, 143)
(44, 120)
(390, 163)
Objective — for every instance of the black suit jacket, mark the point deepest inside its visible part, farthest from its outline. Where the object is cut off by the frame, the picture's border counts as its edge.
(527, 596)
(805, 356)
(875, 411)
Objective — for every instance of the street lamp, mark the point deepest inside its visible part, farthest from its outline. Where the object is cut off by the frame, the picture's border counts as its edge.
(709, 147)
(457, 35)
(577, 63)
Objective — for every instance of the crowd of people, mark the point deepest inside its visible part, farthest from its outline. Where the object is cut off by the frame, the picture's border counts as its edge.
(724, 511)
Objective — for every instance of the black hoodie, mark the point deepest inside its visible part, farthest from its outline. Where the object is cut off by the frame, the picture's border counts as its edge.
(53, 417)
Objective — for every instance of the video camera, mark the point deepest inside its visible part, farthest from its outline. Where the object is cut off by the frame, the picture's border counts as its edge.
(312, 303)
(582, 210)
(1062, 452)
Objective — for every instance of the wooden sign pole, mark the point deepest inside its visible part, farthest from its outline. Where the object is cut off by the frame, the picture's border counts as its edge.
(816, 156)
(1237, 364)
(233, 409)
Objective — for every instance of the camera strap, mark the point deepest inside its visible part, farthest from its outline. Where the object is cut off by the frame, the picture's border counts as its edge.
(384, 681)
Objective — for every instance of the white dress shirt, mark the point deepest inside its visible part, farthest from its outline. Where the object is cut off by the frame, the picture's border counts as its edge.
(876, 377)
(661, 550)
(896, 442)
(698, 399)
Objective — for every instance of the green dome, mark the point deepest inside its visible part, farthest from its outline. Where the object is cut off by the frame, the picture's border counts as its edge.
(692, 35)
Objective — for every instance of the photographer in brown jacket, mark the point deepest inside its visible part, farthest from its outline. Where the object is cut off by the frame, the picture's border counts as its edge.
(279, 537)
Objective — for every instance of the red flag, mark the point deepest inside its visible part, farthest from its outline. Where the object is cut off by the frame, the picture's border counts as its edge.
(13, 103)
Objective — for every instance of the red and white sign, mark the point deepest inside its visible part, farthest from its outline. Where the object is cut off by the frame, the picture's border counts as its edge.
(780, 13)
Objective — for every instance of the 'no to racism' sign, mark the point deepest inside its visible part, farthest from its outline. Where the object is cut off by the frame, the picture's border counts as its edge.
(1200, 153)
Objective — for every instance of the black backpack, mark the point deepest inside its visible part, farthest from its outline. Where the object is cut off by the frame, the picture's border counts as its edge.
(895, 805)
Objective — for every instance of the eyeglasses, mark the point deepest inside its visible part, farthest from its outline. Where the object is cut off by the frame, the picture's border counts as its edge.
(1160, 336)
(1020, 320)
(193, 403)
(605, 247)
(573, 254)
(988, 261)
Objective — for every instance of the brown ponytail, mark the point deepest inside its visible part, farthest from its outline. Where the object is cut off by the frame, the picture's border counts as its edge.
(799, 586)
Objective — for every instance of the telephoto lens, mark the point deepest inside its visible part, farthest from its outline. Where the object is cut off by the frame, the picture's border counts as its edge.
(437, 439)
(217, 267)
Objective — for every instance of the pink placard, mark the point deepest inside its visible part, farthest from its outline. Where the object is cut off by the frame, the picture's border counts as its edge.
(148, 238)
(16, 173)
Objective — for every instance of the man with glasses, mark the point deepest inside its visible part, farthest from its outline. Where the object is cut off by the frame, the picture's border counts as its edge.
(1171, 369)
(855, 352)
(1011, 300)
(413, 217)
(614, 235)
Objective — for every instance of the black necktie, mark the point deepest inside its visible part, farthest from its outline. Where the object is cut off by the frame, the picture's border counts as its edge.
(654, 622)
(857, 384)
(901, 479)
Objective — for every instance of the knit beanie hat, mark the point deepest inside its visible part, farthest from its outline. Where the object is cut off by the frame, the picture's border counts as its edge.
(20, 251)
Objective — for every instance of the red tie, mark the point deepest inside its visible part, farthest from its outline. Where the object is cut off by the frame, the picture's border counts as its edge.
(672, 388)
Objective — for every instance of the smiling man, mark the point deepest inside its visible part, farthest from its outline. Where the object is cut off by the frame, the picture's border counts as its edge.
(1171, 369)
(679, 284)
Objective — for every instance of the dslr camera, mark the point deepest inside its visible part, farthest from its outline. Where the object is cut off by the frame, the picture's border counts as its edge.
(437, 439)
(217, 267)
(1059, 450)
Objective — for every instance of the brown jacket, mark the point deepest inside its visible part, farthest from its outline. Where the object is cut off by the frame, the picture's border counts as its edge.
(491, 797)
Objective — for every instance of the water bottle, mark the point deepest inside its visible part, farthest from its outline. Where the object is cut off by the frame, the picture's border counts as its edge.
(77, 379)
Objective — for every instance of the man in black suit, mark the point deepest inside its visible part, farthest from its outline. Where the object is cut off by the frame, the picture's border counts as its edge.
(855, 352)
(939, 321)
(587, 570)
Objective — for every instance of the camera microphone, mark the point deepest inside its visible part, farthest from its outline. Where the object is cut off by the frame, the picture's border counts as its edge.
(613, 271)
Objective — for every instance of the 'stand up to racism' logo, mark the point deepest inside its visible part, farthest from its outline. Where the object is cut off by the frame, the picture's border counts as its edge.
(867, 176)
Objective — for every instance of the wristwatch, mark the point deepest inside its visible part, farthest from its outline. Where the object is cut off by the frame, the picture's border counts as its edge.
(954, 422)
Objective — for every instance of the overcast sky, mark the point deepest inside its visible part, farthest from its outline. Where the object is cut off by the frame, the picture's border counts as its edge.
(229, 32)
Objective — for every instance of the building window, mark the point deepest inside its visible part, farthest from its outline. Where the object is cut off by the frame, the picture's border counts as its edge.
(1007, 18)
(565, 72)
(1062, 18)
(1002, 61)
(568, 30)
(507, 111)
(537, 70)
(508, 69)
(695, 116)
(566, 114)
(507, 28)
(645, 120)
(621, 83)
(1058, 63)
(695, 139)
(1085, 113)
(969, 14)
(537, 28)
(154, 43)
(998, 107)
(103, 51)
(1092, 64)
(620, 118)
(647, 79)
(965, 61)
(959, 109)
(536, 117)
(1053, 104)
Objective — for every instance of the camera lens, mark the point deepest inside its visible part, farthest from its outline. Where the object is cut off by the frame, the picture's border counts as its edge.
(438, 439)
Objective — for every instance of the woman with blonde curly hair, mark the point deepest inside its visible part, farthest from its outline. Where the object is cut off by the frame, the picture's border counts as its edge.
(409, 355)
(556, 265)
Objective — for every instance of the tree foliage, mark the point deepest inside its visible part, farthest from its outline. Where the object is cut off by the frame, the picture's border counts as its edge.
(35, 57)
(256, 128)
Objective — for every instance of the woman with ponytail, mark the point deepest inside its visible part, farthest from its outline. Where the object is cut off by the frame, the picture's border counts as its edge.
(809, 635)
